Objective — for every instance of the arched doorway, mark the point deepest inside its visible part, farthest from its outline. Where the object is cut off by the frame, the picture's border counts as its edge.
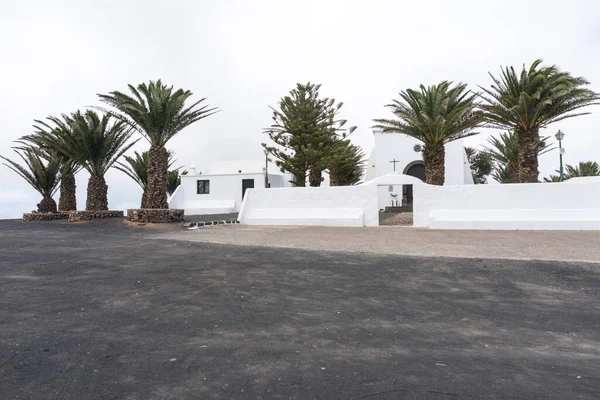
(416, 169)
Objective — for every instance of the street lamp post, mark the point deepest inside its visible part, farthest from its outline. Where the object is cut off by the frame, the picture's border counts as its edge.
(560, 136)
(266, 169)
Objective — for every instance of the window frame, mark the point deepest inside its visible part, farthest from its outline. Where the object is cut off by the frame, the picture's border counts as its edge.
(205, 186)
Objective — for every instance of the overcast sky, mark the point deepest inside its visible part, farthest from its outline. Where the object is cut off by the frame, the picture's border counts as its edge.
(243, 55)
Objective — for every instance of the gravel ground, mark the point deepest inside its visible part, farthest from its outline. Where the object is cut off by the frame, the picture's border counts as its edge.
(99, 310)
(404, 219)
(400, 240)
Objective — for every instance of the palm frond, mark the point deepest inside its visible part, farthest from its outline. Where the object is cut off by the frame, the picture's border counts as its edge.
(88, 139)
(41, 170)
(155, 110)
(436, 114)
(537, 97)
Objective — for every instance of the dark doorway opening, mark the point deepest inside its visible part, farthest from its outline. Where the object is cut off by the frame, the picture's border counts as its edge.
(247, 184)
(418, 171)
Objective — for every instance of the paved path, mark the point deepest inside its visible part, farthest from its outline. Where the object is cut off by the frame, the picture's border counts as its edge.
(522, 245)
(101, 311)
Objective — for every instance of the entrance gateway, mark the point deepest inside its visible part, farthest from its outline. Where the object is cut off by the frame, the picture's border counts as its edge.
(416, 169)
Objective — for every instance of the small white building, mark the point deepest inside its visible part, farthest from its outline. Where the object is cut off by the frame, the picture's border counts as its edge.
(395, 152)
(222, 189)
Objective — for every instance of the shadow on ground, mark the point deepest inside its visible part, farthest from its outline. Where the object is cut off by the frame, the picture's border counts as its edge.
(97, 310)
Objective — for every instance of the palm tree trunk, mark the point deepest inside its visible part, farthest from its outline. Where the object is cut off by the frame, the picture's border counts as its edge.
(528, 142)
(67, 200)
(156, 190)
(334, 179)
(143, 205)
(434, 157)
(97, 198)
(315, 177)
(47, 205)
(513, 175)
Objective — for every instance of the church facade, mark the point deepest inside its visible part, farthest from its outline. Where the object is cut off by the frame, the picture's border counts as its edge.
(399, 153)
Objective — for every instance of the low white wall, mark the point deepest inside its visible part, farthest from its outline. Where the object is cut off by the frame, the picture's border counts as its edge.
(535, 206)
(320, 206)
(324, 206)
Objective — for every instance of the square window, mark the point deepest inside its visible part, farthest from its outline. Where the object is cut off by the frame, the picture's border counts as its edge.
(204, 187)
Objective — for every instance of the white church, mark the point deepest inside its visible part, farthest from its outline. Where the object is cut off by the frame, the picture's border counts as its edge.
(395, 152)
(221, 189)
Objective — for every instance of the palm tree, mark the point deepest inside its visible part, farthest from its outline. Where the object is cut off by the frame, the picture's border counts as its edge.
(137, 169)
(67, 200)
(435, 115)
(93, 142)
(41, 171)
(174, 180)
(481, 164)
(347, 164)
(158, 112)
(532, 100)
(504, 150)
(553, 178)
(584, 168)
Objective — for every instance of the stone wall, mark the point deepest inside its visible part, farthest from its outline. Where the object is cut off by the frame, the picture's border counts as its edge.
(36, 216)
(77, 216)
(156, 216)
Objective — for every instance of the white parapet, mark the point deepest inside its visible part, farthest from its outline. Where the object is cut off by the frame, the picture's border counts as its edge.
(320, 206)
(523, 206)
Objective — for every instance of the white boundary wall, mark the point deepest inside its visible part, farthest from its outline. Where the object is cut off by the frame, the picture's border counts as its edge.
(319, 206)
(571, 205)
(537, 206)
(322, 206)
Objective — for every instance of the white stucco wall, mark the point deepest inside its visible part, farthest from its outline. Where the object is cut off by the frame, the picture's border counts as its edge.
(536, 206)
(322, 206)
(225, 192)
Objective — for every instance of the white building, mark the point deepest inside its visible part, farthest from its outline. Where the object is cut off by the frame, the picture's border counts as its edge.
(222, 189)
(395, 152)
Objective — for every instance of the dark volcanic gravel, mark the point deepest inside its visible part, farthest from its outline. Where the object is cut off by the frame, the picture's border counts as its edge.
(99, 311)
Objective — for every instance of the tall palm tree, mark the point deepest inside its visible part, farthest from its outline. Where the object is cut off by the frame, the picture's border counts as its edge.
(346, 165)
(435, 115)
(41, 171)
(531, 100)
(158, 112)
(136, 168)
(584, 168)
(93, 142)
(504, 150)
(67, 200)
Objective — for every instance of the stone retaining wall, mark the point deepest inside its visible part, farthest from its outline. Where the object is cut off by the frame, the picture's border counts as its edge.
(155, 216)
(35, 216)
(77, 216)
